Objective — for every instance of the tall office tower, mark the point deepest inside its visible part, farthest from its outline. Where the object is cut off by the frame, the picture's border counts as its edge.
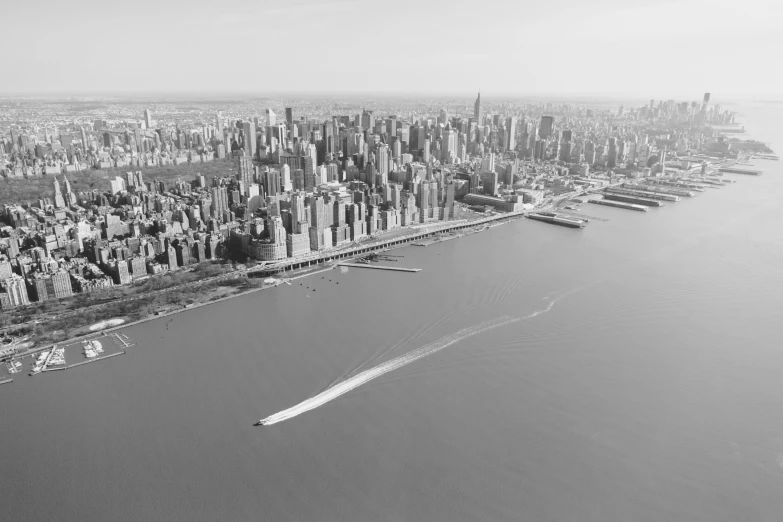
(245, 170)
(448, 144)
(298, 217)
(611, 161)
(477, 109)
(250, 144)
(84, 140)
(289, 116)
(368, 120)
(511, 131)
(547, 127)
(271, 118)
(272, 183)
(148, 118)
(488, 163)
(332, 172)
(382, 161)
(426, 151)
(219, 202)
(567, 135)
(219, 124)
(443, 117)
(70, 198)
(285, 177)
(59, 202)
(423, 198)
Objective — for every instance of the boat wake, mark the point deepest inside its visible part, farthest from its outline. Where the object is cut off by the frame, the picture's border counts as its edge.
(366, 376)
(343, 387)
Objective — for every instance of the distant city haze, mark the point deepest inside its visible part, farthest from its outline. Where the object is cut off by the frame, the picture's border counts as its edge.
(436, 47)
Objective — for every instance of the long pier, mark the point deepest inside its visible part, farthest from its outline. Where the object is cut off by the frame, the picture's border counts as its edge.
(619, 204)
(94, 360)
(732, 170)
(380, 267)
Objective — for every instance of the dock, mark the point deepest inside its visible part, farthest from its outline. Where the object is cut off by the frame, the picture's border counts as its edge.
(92, 360)
(6, 381)
(380, 267)
(635, 200)
(619, 204)
(642, 193)
(732, 170)
(121, 340)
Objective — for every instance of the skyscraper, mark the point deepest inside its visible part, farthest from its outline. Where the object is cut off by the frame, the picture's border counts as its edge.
(249, 129)
(547, 127)
(271, 119)
(289, 115)
(148, 118)
(59, 202)
(477, 109)
(245, 171)
(511, 129)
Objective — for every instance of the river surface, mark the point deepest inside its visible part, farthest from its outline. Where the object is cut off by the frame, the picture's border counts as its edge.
(639, 378)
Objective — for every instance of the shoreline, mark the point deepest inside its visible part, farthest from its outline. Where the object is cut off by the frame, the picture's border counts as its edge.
(503, 218)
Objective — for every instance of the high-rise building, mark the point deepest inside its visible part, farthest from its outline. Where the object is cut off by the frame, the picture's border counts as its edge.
(59, 202)
(148, 118)
(477, 109)
(511, 130)
(245, 171)
(250, 144)
(289, 116)
(272, 183)
(271, 118)
(547, 127)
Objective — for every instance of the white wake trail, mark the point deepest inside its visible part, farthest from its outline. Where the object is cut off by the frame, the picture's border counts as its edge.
(361, 378)
(366, 376)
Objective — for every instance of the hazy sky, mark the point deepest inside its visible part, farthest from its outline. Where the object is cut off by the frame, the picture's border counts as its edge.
(637, 47)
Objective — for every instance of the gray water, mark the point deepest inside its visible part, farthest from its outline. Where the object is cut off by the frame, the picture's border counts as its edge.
(648, 386)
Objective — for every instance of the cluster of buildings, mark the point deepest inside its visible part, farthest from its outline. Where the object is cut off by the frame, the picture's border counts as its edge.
(301, 186)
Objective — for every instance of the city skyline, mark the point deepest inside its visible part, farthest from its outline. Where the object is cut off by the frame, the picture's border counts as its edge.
(607, 47)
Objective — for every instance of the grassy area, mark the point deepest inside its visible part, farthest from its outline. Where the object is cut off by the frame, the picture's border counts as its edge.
(61, 318)
(20, 190)
(750, 146)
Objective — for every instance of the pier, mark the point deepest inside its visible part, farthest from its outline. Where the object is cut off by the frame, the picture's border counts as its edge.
(121, 340)
(732, 170)
(635, 200)
(92, 360)
(619, 204)
(380, 267)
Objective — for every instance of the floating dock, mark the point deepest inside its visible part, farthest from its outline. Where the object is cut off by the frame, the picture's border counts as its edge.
(6, 381)
(732, 170)
(620, 204)
(92, 360)
(380, 267)
(121, 340)
(633, 199)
